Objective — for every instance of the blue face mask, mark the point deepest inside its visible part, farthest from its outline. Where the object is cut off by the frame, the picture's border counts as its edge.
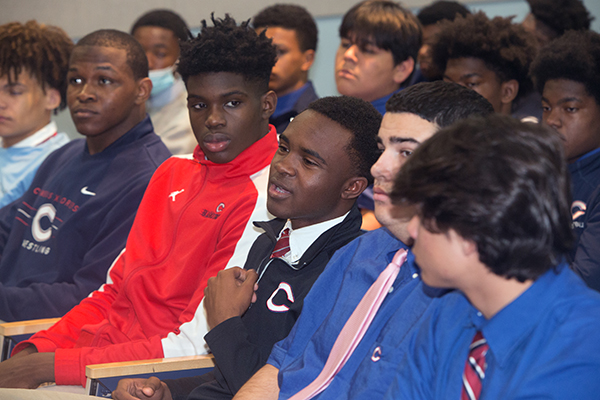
(162, 79)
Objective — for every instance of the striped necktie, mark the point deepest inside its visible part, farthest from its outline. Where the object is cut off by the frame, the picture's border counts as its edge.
(474, 368)
(282, 247)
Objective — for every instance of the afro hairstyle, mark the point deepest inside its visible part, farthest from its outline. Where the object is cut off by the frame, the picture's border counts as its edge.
(506, 48)
(574, 56)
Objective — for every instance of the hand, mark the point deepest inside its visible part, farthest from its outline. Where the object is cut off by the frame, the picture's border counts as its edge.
(229, 294)
(27, 371)
(140, 388)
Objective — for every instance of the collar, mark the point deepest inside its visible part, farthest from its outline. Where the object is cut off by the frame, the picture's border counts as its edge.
(287, 102)
(512, 325)
(248, 162)
(167, 96)
(39, 137)
(587, 160)
(301, 239)
(379, 104)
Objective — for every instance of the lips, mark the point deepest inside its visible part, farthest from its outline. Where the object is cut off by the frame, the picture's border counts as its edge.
(344, 73)
(216, 142)
(379, 194)
(83, 113)
(276, 191)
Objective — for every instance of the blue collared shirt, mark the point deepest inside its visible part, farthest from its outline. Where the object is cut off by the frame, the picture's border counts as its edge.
(371, 368)
(543, 345)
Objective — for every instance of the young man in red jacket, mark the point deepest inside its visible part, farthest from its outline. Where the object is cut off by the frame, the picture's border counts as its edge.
(195, 218)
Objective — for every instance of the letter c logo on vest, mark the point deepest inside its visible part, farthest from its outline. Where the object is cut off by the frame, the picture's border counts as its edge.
(40, 234)
(578, 209)
(290, 296)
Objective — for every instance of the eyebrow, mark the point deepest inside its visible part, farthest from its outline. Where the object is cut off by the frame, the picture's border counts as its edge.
(313, 153)
(397, 139)
(99, 67)
(564, 100)
(232, 93)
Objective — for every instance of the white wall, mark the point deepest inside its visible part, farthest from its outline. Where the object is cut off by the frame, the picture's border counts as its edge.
(79, 17)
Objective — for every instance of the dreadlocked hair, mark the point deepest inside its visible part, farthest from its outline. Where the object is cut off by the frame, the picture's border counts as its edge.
(41, 50)
(227, 47)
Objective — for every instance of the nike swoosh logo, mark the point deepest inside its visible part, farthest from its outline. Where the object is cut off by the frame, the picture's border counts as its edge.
(87, 192)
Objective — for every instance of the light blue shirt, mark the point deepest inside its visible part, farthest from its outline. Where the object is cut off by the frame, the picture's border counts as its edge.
(19, 163)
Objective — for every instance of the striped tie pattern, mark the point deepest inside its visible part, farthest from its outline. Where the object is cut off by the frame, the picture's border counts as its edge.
(282, 247)
(474, 368)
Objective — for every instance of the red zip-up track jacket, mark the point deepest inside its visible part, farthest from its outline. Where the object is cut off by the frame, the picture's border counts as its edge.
(195, 219)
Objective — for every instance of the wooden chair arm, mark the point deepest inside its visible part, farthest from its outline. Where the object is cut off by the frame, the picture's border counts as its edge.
(157, 365)
(26, 327)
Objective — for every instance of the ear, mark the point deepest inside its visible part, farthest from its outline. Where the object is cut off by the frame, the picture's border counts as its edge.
(354, 187)
(52, 99)
(469, 247)
(509, 91)
(309, 59)
(144, 89)
(403, 70)
(269, 102)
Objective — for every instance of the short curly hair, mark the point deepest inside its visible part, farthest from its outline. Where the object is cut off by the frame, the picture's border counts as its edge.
(293, 17)
(561, 15)
(362, 120)
(574, 56)
(42, 50)
(136, 56)
(227, 47)
(164, 19)
(505, 47)
(392, 28)
(441, 10)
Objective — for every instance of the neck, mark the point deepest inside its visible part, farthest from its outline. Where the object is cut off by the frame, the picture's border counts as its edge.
(490, 293)
(98, 143)
(11, 141)
(292, 89)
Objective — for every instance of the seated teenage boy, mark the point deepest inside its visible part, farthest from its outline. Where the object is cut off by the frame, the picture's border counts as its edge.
(325, 153)
(521, 324)
(412, 116)
(33, 83)
(194, 221)
(492, 57)
(159, 32)
(379, 42)
(59, 239)
(294, 34)
(566, 72)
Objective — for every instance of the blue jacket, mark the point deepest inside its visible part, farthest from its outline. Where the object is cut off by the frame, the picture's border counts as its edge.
(59, 239)
(585, 209)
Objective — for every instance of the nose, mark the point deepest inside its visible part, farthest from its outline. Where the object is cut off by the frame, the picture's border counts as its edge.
(151, 60)
(380, 169)
(284, 165)
(551, 118)
(87, 93)
(413, 227)
(215, 118)
(351, 53)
